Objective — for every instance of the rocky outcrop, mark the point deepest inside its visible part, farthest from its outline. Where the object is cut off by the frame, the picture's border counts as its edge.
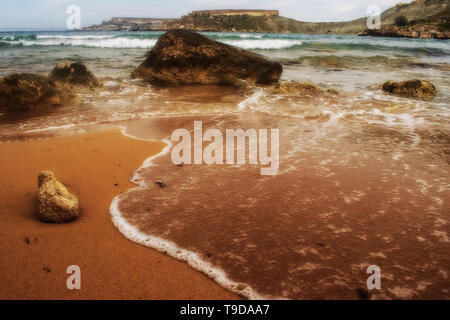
(420, 32)
(300, 88)
(182, 57)
(235, 23)
(269, 24)
(419, 19)
(74, 73)
(21, 92)
(428, 12)
(55, 203)
(412, 88)
(235, 12)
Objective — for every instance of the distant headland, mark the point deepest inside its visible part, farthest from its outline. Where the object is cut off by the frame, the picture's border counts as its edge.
(428, 19)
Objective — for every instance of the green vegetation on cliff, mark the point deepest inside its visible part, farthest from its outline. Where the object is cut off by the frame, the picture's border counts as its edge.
(426, 19)
(425, 11)
(428, 15)
(246, 23)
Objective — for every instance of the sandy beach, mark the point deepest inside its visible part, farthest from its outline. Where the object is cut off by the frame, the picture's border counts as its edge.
(225, 165)
(35, 255)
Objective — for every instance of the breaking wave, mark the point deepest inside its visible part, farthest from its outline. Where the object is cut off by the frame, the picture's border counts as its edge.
(258, 41)
(136, 41)
(268, 44)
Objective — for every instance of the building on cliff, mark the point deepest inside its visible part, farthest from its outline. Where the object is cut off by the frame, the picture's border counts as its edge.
(235, 12)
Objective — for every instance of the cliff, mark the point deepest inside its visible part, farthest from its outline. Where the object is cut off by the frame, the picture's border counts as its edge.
(273, 24)
(425, 20)
(131, 24)
(415, 10)
(235, 12)
(429, 17)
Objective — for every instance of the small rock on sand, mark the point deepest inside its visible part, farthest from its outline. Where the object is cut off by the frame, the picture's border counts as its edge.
(55, 203)
(160, 184)
(413, 88)
(300, 88)
(21, 92)
(74, 73)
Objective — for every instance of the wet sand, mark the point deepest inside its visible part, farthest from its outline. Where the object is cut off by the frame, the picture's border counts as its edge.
(347, 196)
(35, 255)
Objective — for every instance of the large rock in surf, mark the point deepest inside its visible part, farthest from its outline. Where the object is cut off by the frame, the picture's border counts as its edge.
(21, 92)
(55, 203)
(413, 88)
(182, 57)
(74, 73)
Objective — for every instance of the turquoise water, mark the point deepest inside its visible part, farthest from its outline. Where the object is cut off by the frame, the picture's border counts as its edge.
(116, 53)
(356, 66)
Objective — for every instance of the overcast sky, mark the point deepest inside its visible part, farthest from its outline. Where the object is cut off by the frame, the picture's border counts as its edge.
(51, 14)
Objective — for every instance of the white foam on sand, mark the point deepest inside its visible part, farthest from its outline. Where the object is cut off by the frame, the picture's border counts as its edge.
(252, 102)
(51, 128)
(167, 247)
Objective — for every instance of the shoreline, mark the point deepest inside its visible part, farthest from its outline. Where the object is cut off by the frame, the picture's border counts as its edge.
(168, 247)
(112, 267)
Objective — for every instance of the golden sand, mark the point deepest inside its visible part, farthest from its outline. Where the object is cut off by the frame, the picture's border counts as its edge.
(34, 255)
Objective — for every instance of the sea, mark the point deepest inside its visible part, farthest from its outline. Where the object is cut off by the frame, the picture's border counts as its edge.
(363, 175)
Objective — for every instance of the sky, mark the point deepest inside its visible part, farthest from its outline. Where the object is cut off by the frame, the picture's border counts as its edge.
(51, 14)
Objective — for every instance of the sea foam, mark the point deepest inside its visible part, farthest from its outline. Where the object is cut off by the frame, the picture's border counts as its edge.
(268, 44)
(168, 247)
(145, 42)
